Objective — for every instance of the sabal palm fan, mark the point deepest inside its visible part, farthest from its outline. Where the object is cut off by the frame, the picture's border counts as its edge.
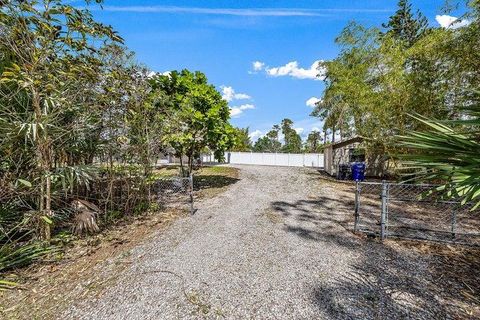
(448, 152)
(16, 250)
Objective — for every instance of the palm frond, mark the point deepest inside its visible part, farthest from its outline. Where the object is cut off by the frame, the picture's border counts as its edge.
(449, 152)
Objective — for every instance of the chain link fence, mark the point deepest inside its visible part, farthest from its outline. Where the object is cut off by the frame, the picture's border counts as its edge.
(173, 191)
(84, 209)
(124, 195)
(414, 211)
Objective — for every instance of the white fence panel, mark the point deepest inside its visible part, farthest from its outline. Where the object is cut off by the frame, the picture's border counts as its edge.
(281, 159)
(208, 158)
(313, 160)
(277, 159)
(295, 160)
(268, 158)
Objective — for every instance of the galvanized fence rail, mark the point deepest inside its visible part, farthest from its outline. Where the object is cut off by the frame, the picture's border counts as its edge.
(413, 211)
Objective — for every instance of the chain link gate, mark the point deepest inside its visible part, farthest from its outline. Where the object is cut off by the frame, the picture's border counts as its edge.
(171, 191)
(413, 211)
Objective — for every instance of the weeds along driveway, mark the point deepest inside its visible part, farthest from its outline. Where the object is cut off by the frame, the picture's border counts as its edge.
(276, 245)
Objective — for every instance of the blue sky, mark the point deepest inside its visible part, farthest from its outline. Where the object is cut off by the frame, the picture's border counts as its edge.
(223, 39)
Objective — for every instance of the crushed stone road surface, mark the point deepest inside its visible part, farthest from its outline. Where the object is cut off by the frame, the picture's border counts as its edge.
(276, 245)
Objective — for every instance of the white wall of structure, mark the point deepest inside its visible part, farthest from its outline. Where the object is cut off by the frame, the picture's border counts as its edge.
(276, 159)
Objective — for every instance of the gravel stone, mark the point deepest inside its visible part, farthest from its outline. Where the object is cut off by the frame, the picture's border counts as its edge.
(276, 245)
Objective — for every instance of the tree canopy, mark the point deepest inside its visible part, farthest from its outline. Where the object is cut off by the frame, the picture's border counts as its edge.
(379, 78)
(242, 141)
(198, 116)
(292, 141)
(77, 110)
(404, 25)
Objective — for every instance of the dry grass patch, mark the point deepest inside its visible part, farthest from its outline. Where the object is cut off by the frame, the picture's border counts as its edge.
(455, 267)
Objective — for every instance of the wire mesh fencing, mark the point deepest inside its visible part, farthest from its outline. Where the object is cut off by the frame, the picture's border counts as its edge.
(174, 190)
(414, 211)
(132, 195)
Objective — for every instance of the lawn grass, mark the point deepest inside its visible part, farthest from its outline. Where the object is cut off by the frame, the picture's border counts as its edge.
(211, 181)
(174, 171)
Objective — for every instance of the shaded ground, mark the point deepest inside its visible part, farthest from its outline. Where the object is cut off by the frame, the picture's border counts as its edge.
(278, 245)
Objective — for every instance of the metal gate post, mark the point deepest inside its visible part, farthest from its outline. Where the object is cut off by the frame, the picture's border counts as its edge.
(357, 206)
(190, 180)
(383, 217)
(454, 223)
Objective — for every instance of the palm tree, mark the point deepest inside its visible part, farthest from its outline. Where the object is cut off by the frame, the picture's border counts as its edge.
(449, 152)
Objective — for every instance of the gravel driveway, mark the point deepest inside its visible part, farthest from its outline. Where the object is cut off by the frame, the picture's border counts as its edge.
(276, 245)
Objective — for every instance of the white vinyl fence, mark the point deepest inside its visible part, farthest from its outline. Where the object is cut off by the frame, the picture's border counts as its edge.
(276, 159)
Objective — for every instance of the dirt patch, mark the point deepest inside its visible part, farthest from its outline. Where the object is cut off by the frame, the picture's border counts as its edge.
(273, 216)
(456, 268)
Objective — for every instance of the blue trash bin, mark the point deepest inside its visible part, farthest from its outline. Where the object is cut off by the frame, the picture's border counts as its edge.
(358, 171)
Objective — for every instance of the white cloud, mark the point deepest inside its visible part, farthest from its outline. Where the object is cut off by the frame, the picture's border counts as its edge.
(299, 130)
(312, 101)
(293, 70)
(256, 134)
(449, 22)
(152, 74)
(242, 96)
(316, 129)
(229, 94)
(258, 65)
(236, 111)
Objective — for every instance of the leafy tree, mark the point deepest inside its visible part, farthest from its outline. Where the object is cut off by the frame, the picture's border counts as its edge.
(44, 84)
(293, 142)
(242, 140)
(376, 80)
(270, 142)
(196, 115)
(314, 142)
(406, 26)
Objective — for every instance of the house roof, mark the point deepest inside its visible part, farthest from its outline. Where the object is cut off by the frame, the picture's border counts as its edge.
(346, 142)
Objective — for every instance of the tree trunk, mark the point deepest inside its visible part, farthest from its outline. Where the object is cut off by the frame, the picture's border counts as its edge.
(190, 165)
(182, 170)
